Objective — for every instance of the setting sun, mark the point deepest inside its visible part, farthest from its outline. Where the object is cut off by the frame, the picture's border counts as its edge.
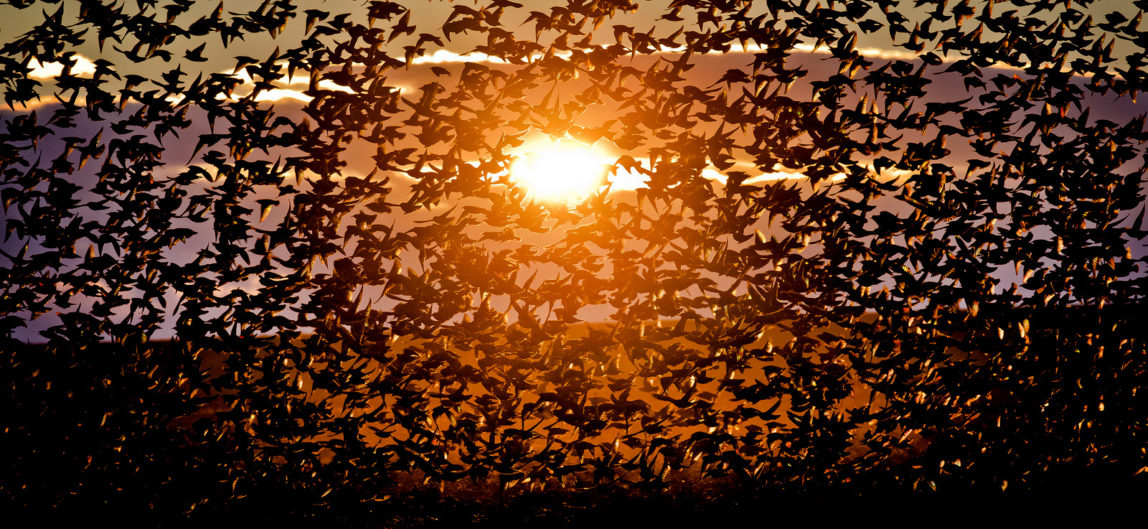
(559, 170)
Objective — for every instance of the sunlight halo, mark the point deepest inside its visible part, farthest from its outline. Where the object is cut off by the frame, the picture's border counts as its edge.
(562, 170)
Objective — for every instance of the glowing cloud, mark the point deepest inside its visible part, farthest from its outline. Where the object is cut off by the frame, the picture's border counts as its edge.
(51, 70)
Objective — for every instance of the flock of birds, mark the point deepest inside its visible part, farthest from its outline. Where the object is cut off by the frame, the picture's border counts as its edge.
(337, 332)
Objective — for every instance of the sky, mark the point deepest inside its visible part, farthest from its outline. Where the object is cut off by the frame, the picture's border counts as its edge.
(429, 15)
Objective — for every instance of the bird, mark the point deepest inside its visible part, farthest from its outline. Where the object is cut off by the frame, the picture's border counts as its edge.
(842, 269)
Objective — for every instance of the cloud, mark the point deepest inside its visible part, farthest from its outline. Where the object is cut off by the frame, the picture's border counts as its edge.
(291, 87)
(294, 87)
(446, 56)
(449, 57)
(83, 67)
(624, 179)
(773, 176)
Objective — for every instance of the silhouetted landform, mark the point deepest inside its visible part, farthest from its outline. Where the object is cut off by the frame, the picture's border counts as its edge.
(819, 270)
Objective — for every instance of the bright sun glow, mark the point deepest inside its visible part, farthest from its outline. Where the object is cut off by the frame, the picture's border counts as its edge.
(560, 170)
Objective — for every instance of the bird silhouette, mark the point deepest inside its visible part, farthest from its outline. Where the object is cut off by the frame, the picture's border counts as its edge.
(841, 269)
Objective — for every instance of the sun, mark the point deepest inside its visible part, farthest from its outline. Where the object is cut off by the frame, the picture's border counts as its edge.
(561, 170)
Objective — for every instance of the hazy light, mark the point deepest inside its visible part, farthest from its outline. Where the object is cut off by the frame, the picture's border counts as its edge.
(623, 179)
(560, 170)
